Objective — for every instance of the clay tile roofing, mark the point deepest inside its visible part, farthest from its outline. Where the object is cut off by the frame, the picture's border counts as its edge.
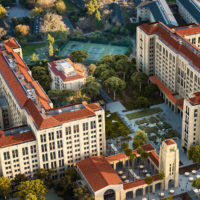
(148, 147)
(10, 140)
(154, 157)
(172, 40)
(169, 142)
(195, 99)
(138, 183)
(11, 42)
(98, 172)
(164, 89)
(188, 30)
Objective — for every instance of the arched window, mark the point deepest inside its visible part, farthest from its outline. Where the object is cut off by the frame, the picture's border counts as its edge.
(109, 195)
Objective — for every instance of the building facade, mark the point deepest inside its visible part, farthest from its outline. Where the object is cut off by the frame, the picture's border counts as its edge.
(111, 185)
(41, 136)
(171, 57)
(66, 75)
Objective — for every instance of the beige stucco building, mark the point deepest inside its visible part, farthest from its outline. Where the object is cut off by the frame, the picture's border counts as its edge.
(42, 136)
(104, 181)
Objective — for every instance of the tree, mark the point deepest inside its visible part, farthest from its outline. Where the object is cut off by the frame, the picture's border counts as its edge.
(2, 12)
(196, 183)
(18, 179)
(82, 193)
(194, 153)
(34, 57)
(45, 3)
(142, 102)
(50, 39)
(150, 90)
(34, 187)
(52, 23)
(139, 139)
(148, 180)
(5, 187)
(139, 78)
(3, 32)
(108, 60)
(144, 155)
(98, 15)
(91, 7)
(60, 6)
(124, 145)
(31, 197)
(79, 56)
(92, 69)
(115, 83)
(169, 198)
(22, 29)
(161, 175)
(37, 11)
(91, 88)
(46, 176)
(51, 50)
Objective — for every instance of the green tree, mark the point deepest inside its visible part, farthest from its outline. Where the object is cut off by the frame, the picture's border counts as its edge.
(46, 176)
(148, 180)
(144, 155)
(115, 84)
(37, 11)
(50, 39)
(51, 50)
(161, 175)
(2, 11)
(140, 79)
(107, 73)
(5, 187)
(82, 193)
(91, 88)
(139, 139)
(79, 56)
(150, 90)
(34, 187)
(34, 57)
(18, 179)
(60, 6)
(194, 153)
(129, 154)
(124, 146)
(196, 183)
(108, 60)
(31, 196)
(142, 102)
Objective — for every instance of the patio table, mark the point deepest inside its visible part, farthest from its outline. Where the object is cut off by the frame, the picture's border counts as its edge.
(123, 177)
(137, 177)
(144, 198)
(141, 166)
(162, 194)
(148, 174)
(120, 172)
(187, 173)
(171, 191)
(145, 171)
(191, 179)
(194, 171)
(126, 181)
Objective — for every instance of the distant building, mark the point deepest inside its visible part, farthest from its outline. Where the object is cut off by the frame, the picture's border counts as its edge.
(100, 174)
(66, 75)
(155, 10)
(189, 10)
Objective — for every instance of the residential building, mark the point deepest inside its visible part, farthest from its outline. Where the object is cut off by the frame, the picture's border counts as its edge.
(189, 10)
(42, 136)
(171, 57)
(100, 174)
(66, 75)
(155, 10)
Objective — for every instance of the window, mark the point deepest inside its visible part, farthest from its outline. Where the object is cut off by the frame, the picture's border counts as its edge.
(51, 136)
(33, 149)
(43, 138)
(25, 151)
(45, 157)
(93, 124)
(61, 163)
(44, 147)
(15, 153)
(6, 155)
(60, 153)
(68, 130)
(76, 128)
(53, 155)
(60, 144)
(85, 126)
(59, 134)
(52, 145)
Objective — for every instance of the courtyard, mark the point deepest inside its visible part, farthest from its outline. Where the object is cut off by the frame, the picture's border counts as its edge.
(95, 50)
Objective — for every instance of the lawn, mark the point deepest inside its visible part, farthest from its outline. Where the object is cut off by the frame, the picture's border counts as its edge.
(115, 127)
(143, 113)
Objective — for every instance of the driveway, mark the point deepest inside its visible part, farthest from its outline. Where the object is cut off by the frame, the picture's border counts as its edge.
(18, 12)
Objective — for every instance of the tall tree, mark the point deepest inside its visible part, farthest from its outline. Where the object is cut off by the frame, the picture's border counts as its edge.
(22, 29)
(51, 50)
(34, 187)
(98, 15)
(124, 146)
(79, 56)
(91, 7)
(2, 11)
(46, 176)
(144, 155)
(115, 84)
(5, 187)
(150, 90)
(142, 102)
(50, 39)
(139, 78)
(194, 153)
(31, 196)
(148, 181)
(139, 139)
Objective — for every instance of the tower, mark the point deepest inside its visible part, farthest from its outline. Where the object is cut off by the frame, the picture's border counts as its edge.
(169, 162)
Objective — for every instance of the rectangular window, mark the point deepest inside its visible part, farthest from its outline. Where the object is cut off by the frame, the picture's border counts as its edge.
(25, 151)
(33, 149)
(85, 126)
(44, 147)
(93, 124)
(59, 134)
(43, 138)
(59, 144)
(76, 128)
(52, 145)
(6, 155)
(60, 153)
(68, 130)
(51, 136)
(15, 153)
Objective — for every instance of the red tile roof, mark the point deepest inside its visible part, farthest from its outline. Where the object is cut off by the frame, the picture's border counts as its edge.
(61, 74)
(154, 157)
(98, 172)
(10, 140)
(169, 37)
(188, 30)
(11, 43)
(169, 142)
(165, 90)
(195, 99)
(148, 147)
(138, 183)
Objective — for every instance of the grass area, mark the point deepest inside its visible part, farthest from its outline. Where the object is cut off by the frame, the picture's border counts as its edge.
(171, 1)
(148, 130)
(142, 121)
(115, 127)
(153, 120)
(143, 113)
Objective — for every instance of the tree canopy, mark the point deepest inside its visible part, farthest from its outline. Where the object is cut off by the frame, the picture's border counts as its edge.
(196, 183)
(194, 153)
(82, 193)
(161, 175)
(60, 6)
(2, 11)
(5, 187)
(140, 79)
(142, 102)
(45, 175)
(79, 56)
(22, 29)
(139, 139)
